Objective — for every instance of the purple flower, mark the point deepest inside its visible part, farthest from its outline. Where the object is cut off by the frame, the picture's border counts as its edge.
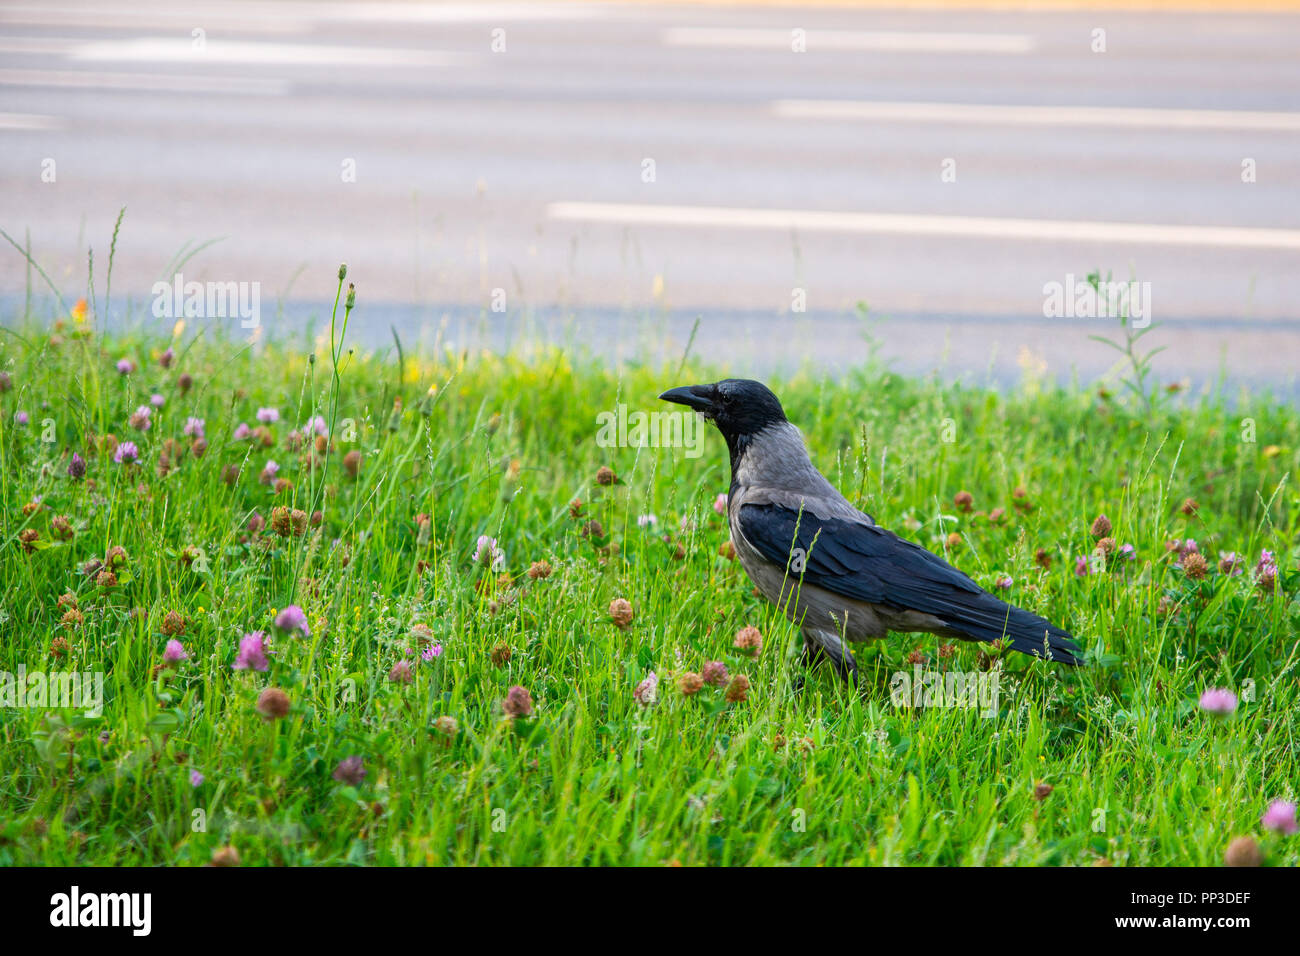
(156, 400)
(175, 652)
(271, 470)
(125, 366)
(196, 779)
(126, 453)
(141, 420)
(647, 521)
(316, 425)
(1003, 583)
(77, 466)
(647, 692)
(252, 653)
(165, 360)
(1280, 817)
(432, 652)
(268, 415)
(351, 770)
(194, 427)
(1081, 566)
(1218, 700)
(720, 503)
(292, 619)
(1127, 552)
(487, 552)
(242, 432)
(20, 418)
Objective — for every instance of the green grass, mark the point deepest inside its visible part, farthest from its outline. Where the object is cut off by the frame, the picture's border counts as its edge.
(501, 447)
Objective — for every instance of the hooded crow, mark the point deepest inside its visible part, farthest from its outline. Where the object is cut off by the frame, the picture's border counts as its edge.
(826, 564)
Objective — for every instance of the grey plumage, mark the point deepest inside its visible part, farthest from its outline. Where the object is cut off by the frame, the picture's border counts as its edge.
(828, 565)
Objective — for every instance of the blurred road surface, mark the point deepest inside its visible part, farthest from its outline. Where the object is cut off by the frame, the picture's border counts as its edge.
(608, 172)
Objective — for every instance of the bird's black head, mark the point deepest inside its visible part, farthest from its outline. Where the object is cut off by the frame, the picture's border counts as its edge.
(740, 407)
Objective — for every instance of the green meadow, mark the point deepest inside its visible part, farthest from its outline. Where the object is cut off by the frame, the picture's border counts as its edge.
(466, 686)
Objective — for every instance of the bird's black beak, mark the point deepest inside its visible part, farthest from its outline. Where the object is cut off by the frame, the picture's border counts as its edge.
(697, 397)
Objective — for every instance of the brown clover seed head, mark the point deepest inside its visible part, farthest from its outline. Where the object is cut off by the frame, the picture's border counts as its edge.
(401, 673)
(727, 550)
(954, 541)
(749, 640)
(1041, 791)
(31, 508)
(173, 624)
(72, 618)
(690, 683)
(280, 522)
(996, 515)
(67, 599)
(264, 436)
(317, 519)
(715, 674)
(593, 529)
(352, 463)
(1042, 558)
(620, 611)
(606, 476)
(1106, 546)
(92, 567)
(106, 579)
(738, 689)
(322, 444)
(963, 500)
(299, 519)
(273, 703)
(947, 650)
(230, 474)
(115, 556)
(225, 856)
(185, 382)
(59, 646)
(518, 702)
(61, 526)
(281, 485)
(539, 570)
(293, 441)
(1194, 565)
(6, 383)
(575, 509)
(1189, 507)
(1019, 492)
(916, 656)
(28, 538)
(446, 725)
(501, 654)
(1100, 526)
(198, 447)
(1243, 851)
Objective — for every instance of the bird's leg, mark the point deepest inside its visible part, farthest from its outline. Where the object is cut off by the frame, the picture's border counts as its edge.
(819, 643)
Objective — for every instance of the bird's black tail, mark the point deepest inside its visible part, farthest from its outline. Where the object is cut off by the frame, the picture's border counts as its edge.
(984, 618)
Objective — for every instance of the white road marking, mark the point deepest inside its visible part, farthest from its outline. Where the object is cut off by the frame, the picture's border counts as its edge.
(29, 121)
(217, 50)
(975, 227)
(157, 82)
(875, 40)
(1139, 118)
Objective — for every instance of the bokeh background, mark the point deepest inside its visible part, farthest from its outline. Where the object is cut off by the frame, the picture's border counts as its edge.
(791, 184)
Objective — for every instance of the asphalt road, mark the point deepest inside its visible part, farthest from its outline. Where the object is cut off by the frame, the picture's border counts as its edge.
(617, 170)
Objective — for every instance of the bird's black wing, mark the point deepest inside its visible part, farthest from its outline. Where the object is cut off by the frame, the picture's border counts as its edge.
(870, 564)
